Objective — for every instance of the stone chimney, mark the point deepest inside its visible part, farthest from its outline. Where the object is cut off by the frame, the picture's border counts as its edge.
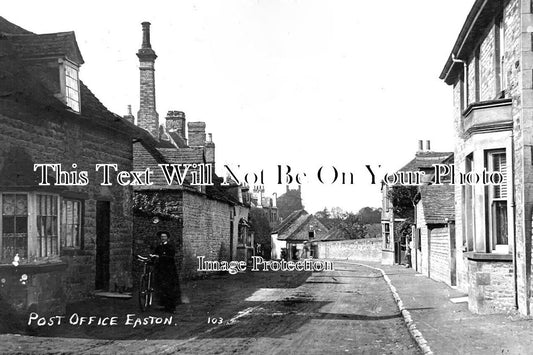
(196, 134)
(175, 122)
(147, 117)
(209, 151)
(130, 116)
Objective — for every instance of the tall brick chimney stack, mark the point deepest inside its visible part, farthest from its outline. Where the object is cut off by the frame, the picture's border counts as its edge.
(196, 134)
(130, 116)
(147, 117)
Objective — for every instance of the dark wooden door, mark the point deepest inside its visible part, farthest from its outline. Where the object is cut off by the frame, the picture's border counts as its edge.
(102, 245)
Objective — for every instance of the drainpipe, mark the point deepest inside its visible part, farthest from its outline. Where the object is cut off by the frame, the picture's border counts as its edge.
(465, 71)
(513, 206)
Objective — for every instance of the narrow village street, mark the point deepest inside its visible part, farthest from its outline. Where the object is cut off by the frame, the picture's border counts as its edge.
(349, 310)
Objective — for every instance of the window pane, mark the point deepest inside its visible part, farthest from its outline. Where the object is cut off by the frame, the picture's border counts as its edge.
(8, 224)
(47, 225)
(22, 205)
(499, 164)
(14, 231)
(70, 224)
(500, 221)
(8, 203)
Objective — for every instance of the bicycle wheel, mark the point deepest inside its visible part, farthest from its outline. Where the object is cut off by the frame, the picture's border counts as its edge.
(145, 295)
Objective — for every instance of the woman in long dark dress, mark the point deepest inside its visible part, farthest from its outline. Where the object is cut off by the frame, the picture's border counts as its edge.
(166, 275)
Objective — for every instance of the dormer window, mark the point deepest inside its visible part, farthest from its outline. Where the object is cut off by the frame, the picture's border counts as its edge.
(70, 85)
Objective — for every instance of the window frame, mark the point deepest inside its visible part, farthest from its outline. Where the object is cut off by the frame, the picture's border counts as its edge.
(33, 247)
(64, 64)
(2, 220)
(386, 235)
(491, 199)
(81, 213)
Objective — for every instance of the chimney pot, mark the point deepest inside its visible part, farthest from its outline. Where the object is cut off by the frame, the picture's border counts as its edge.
(428, 145)
(420, 145)
(146, 35)
(129, 116)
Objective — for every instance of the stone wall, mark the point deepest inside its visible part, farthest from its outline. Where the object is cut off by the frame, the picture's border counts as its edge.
(45, 138)
(490, 286)
(199, 226)
(358, 250)
(206, 231)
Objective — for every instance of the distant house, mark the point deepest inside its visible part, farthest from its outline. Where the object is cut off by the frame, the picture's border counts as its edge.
(206, 219)
(70, 240)
(296, 236)
(394, 242)
(290, 202)
(269, 205)
(434, 239)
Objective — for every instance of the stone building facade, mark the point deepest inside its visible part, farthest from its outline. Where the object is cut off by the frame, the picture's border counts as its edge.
(490, 70)
(207, 219)
(68, 240)
(393, 219)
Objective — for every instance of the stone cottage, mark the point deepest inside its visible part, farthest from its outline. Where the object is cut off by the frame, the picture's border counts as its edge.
(66, 237)
(394, 242)
(207, 218)
(296, 236)
(490, 71)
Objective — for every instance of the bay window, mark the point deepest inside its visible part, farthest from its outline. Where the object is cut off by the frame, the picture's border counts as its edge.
(36, 225)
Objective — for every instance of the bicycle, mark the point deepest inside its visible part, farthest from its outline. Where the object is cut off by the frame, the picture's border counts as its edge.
(146, 288)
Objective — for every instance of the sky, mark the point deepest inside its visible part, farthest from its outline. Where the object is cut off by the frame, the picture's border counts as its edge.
(302, 84)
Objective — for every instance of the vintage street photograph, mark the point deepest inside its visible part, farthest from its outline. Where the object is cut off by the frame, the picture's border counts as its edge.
(266, 177)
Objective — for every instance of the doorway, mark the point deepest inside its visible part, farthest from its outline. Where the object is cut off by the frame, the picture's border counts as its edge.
(102, 245)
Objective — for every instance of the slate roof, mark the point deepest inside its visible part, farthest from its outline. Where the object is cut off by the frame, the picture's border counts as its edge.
(291, 226)
(438, 203)
(286, 223)
(425, 160)
(179, 140)
(189, 155)
(291, 231)
(8, 27)
(61, 44)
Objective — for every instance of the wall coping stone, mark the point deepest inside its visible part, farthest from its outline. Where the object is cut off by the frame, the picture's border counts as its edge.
(488, 257)
(34, 268)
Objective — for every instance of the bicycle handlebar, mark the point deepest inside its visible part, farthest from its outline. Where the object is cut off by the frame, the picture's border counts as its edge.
(145, 259)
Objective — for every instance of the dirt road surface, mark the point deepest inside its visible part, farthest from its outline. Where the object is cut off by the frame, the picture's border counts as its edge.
(346, 311)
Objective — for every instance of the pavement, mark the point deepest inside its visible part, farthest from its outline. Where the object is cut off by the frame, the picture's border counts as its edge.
(449, 328)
